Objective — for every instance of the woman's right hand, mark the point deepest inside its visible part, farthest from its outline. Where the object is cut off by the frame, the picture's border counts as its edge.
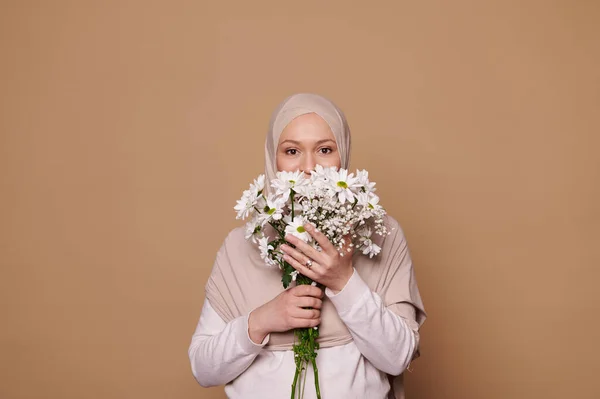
(285, 312)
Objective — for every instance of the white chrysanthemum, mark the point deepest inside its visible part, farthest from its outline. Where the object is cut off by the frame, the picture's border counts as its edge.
(261, 202)
(277, 259)
(320, 180)
(254, 227)
(264, 247)
(363, 180)
(307, 189)
(370, 248)
(259, 184)
(245, 205)
(286, 181)
(251, 231)
(274, 207)
(342, 182)
(366, 245)
(373, 203)
(322, 173)
(363, 199)
(296, 228)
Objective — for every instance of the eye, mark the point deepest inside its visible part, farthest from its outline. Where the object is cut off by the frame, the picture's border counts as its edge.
(291, 151)
(325, 150)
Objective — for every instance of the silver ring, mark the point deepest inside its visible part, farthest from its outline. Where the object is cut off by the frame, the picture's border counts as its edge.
(308, 263)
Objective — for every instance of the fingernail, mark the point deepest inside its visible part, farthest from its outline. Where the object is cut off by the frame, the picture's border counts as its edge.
(308, 226)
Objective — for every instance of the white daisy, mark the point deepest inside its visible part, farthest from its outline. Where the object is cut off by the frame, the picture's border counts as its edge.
(259, 184)
(363, 180)
(254, 227)
(261, 202)
(252, 230)
(373, 203)
(367, 246)
(342, 182)
(363, 199)
(245, 205)
(274, 207)
(264, 247)
(370, 248)
(296, 228)
(323, 173)
(286, 181)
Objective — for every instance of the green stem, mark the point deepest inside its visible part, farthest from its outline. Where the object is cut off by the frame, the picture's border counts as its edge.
(303, 387)
(312, 338)
(305, 351)
(316, 372)
(295, 380)
(302, 379)
(277, 230)
(292, 196)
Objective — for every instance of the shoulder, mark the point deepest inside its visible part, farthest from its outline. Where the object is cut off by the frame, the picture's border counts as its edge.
(236, 233)
(392, 225)
(234, 247)
(235, 237)
(395, 236)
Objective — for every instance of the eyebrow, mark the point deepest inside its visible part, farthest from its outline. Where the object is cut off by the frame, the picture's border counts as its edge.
(317, 143)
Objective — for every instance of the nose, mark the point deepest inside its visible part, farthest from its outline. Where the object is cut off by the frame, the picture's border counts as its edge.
(308, 164)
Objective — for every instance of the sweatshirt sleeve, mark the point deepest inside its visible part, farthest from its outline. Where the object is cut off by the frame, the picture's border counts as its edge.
(383, 337)
(219, 351)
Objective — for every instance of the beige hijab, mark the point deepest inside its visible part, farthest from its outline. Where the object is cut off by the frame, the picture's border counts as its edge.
(240, 281)
(295, 106)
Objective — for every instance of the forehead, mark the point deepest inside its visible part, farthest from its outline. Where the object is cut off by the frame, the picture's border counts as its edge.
(307, 127)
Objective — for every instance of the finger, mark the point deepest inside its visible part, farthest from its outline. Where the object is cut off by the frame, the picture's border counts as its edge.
(321, 239)
(305, 323)
(304, 247)
(347, 249)
(300, 313)
(301, 268)
(307, 290)
(309, 302)
(294, 253)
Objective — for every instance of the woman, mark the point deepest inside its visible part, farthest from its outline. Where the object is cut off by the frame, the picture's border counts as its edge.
(369, 313)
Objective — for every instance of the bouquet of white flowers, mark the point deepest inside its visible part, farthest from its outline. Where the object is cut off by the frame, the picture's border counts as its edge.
(337, 203)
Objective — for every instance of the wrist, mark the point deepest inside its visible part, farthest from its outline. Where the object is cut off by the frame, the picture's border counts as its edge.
(255, 331)
(339, 285)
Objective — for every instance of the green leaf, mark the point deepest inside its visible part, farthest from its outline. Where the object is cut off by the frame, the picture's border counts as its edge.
(286, 279)
(287, 268)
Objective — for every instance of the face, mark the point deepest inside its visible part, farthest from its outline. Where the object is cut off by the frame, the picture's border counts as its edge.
(306, 142)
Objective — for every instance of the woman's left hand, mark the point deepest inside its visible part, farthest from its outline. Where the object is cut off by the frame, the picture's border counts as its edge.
(328, 266)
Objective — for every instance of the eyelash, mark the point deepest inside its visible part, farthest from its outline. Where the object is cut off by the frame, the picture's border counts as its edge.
(324, 148)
